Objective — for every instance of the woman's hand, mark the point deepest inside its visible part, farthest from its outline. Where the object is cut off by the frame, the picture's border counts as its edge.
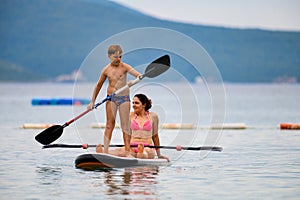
(164, 157)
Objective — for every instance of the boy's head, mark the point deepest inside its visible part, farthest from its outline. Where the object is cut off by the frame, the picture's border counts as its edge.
(114, 54)
(113, 49)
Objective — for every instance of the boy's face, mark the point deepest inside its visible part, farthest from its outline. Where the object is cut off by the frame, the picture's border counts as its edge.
(115, 58)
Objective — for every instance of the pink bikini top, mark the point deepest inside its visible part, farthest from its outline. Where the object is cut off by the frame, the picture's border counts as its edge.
(147, 126)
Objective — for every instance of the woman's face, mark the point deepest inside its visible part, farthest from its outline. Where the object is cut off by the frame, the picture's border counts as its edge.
(137, 105)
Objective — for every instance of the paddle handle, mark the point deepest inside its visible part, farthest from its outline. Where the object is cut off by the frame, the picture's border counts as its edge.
(128, 85)
(104, 100)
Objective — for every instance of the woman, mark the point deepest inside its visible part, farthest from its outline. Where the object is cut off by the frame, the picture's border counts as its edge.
(143, 131)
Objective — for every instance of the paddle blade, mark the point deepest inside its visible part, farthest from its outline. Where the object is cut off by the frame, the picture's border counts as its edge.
(157, 67)
(49, 135)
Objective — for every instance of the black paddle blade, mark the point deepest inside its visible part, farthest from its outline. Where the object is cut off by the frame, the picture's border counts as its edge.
(49, 135)
(158, 67)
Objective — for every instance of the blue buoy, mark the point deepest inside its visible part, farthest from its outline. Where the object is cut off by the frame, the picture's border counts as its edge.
(59, 101)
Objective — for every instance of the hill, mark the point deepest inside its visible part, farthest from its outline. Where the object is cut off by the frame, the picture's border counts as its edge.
(42, 39)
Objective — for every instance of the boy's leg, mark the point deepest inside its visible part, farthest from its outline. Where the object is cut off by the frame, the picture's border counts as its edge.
(124, 110)
(111, 110)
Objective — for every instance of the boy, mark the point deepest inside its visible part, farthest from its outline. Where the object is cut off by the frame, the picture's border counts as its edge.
(116, 73)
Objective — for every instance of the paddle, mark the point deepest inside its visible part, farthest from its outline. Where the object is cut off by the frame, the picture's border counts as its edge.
(178, 147)
(154, 69)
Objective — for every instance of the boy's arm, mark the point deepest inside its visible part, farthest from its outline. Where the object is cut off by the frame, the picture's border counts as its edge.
(97, 89)
(132, 71)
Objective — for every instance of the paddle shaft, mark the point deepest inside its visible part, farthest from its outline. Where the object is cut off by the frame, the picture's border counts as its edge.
(178, 147)
(150, 72)
(104, 100)
(154, 69)
(127, 86)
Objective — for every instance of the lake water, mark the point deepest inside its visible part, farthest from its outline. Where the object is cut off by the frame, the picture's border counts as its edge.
(259, 162)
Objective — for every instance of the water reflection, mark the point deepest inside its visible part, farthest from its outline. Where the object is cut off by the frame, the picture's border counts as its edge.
(139, 181)
(49, 175)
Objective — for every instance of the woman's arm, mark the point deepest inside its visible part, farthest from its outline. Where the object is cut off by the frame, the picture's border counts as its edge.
(155, 137)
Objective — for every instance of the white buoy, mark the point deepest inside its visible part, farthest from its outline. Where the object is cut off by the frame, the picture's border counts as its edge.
(36, 126)
(228, 126)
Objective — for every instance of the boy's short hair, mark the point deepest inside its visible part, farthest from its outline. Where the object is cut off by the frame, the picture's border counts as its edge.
(112, 49)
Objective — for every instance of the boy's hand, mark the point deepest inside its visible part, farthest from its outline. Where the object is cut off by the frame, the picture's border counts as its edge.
(133, 82)
(90, 106)
(129, 83)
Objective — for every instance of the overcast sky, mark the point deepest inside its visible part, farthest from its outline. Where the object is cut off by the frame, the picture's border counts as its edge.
(264, 14)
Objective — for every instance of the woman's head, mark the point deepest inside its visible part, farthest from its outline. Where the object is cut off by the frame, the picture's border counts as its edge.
(144, 101)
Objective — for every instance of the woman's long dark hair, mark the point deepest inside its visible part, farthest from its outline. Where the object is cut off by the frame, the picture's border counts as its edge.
(144, 99)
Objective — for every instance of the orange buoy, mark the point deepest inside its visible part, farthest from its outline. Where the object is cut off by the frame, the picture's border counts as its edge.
(289, 126)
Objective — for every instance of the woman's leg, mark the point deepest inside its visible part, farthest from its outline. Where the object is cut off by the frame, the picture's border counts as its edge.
(150, 152)
(99, 148)
(116, 152)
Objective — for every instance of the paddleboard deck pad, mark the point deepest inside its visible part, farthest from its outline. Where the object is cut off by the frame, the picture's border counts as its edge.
(101, 161)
